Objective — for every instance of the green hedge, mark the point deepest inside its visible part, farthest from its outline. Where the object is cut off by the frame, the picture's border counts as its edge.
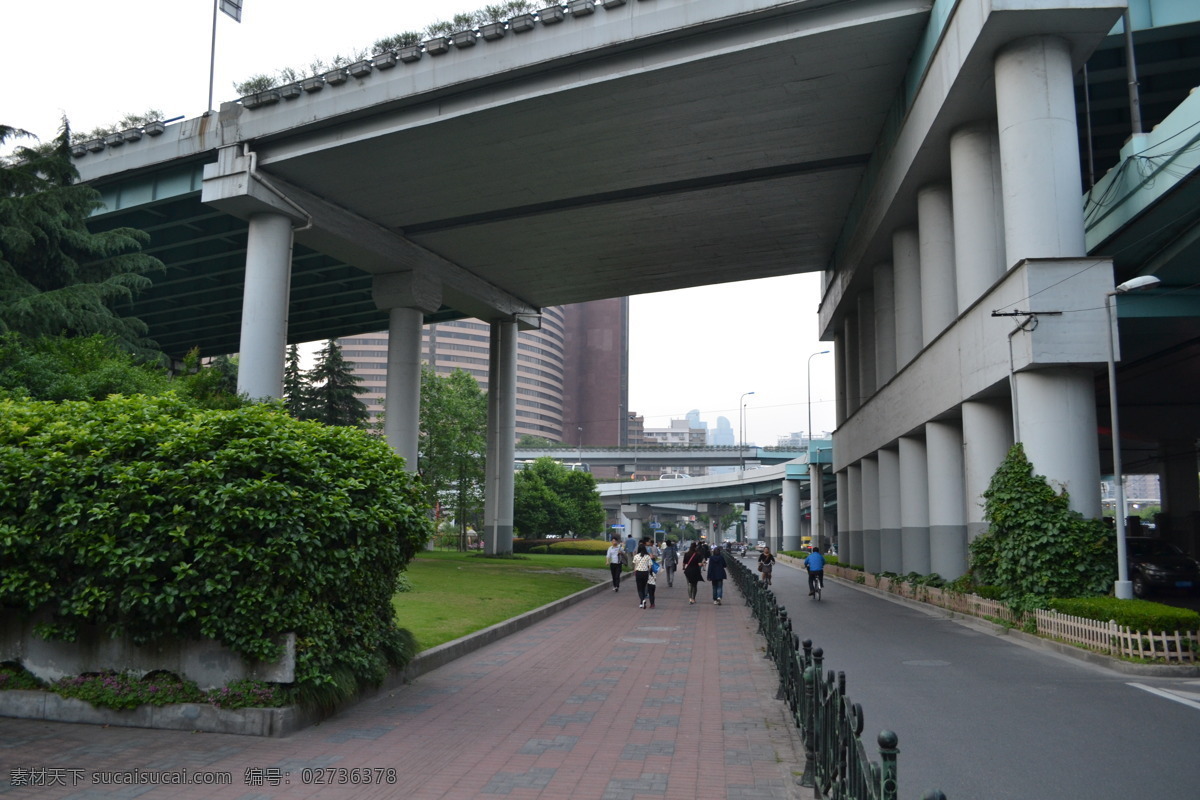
(150, 517)
(1140, 615)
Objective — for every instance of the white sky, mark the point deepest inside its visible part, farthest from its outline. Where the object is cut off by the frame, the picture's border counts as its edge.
(97, 61)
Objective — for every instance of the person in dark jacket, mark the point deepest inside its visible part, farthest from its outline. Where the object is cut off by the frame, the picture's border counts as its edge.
(692, 562)
(716, 574)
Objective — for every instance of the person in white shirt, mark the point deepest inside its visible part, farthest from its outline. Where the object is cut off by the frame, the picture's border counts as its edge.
(615, 556)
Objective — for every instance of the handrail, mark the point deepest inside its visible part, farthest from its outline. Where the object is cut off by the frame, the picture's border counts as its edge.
(836, 762)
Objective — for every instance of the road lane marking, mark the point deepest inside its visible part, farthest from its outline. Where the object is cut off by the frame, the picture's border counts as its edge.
(1169, 695)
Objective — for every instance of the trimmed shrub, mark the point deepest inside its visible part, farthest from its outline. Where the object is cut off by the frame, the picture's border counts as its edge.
(578, 547)
(1140, 615)
(150, 517)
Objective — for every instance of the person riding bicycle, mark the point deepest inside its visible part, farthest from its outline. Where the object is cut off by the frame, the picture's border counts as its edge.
(815, 564)
(765, 562)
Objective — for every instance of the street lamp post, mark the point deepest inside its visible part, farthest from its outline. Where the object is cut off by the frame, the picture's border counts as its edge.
(742, 428)
(814, 516)
(1123, 589)
(580, 459)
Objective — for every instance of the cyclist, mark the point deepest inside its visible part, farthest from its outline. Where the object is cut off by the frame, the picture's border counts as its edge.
(765, 562)
(815, 564)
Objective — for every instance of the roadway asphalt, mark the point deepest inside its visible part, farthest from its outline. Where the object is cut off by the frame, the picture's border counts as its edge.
(986, 716)
(602, 700)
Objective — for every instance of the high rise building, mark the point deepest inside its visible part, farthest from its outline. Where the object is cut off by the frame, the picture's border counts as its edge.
(572, 373)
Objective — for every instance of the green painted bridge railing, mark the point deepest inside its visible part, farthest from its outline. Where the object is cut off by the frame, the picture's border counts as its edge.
(836, 764)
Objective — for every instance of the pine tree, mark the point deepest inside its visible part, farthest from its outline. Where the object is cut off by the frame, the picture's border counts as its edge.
(57, 277)
(295, 385)
(335, 390)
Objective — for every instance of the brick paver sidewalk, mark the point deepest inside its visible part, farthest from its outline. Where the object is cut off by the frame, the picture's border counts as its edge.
(603, 700)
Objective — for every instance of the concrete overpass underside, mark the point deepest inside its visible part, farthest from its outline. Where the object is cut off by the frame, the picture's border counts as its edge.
(647, 147)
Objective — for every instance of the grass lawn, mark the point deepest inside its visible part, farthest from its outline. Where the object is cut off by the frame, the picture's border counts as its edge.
(454, 593)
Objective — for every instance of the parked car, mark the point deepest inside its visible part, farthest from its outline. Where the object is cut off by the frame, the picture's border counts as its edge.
(1155, 565)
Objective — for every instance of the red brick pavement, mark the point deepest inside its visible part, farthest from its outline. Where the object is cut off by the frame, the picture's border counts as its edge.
(603, 700)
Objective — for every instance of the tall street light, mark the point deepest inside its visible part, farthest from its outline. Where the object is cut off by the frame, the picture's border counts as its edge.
(1123, 589)
(580, 460)
(814, 516)
(742, 428)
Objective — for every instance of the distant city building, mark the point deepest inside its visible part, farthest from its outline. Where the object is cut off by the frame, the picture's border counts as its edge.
(722, 435)
(798, 440)
(572, 374)
(681, 433)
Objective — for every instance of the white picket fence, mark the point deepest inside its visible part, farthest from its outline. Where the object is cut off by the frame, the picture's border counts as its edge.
(1102, 637)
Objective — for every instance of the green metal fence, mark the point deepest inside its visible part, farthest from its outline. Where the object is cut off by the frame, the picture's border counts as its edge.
(836, 762)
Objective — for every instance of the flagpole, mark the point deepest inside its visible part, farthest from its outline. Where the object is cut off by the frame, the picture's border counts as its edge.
(212, 59)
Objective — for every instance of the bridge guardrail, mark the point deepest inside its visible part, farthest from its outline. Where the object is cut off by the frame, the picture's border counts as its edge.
(836, 765)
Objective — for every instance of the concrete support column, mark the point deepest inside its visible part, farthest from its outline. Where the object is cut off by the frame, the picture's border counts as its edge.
(890, 552)
(263, 343)
(843, 516)
(775, 523)
(947, 501)
(906, 283)
(850, 354)
(791, 514)
(854, 552)
(816, 509)
(939, 295)
(768, 524)
(402, 423)
(1039, 150)
(1178, 477)
(987, 438)
(1180, 492)
(866, 347)
(839, 379)
(978, 211)
(635, 514)
(870, 514)
(501, 437)
(885, 324)
(914, 506)
(1058, 429)
(752, 522)
(1043, 218)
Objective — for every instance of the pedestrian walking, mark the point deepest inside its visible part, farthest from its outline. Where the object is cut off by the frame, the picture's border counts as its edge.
(716, 574)
(652, 548)
(692, 572)
(670, 561)
(630, 548)
(616, 560)
(643, 564)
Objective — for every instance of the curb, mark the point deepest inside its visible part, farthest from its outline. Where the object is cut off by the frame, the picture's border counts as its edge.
(272, 722)
(1029, 639)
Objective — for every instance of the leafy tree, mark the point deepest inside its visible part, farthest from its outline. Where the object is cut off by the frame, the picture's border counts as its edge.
(1037, 547)
(57, 277)
(334, 394)
(57, 368)
(213, 386)
(296, 387)
(452, 444)
(549, 498)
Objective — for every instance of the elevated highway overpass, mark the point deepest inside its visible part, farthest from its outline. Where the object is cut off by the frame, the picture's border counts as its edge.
(784, 489)
(922, 154)
(641, 458)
